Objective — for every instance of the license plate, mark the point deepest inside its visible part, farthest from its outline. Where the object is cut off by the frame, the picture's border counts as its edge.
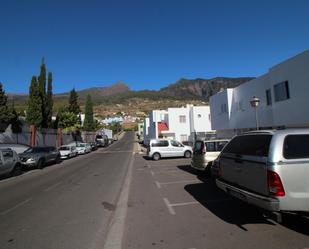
(237, 195)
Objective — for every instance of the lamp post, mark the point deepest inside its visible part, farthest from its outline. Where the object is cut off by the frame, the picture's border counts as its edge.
(255, 103)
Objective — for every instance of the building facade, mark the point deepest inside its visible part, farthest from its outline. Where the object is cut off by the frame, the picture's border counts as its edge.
(283, 100)
(183, 124)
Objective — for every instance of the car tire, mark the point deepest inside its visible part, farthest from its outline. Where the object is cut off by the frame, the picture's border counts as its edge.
(58, 160)
(187, 154)
(41, 163)
(17, 170)
(156, 156)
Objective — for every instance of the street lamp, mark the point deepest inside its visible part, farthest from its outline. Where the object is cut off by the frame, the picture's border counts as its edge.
(255, 103)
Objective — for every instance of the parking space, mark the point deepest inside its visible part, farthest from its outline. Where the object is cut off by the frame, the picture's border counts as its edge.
(172, 207)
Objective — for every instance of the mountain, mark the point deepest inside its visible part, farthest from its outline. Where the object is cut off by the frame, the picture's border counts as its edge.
(201, 88)
(119, 97)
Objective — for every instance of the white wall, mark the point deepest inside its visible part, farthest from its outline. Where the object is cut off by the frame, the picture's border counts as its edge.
(292, 112)
(200, 119)
(174, 123)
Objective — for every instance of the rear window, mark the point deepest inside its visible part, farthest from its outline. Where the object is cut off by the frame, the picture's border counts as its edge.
(220, 145)
(210, 146)
(162, 143)
(296, 146)
(250, 145)
(198, 146)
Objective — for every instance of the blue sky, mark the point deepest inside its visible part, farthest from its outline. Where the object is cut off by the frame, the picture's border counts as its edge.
(145, 43)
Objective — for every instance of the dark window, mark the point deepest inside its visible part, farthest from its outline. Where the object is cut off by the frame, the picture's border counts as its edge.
(210, 146)
(176, 144)
(281, 91)
(250, 145)
(296, 146)
(268, 97)
(7, 154)
(220, 145)
(198, 145)
(162, 143)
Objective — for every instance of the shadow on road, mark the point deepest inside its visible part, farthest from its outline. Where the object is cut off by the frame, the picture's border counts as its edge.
(238, 213)
(227, 209)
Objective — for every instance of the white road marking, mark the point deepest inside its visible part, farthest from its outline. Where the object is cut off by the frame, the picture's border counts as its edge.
(158, 184)
(52, 186)
(166, 171)
(152, 173)
(176, 182)
(16, 206)
(184, 203)
(116, 230)
(169, 207)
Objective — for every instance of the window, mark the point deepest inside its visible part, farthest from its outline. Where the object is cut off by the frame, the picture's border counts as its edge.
(210, 146)
(176, 144)
(220, 145)
(268, 97)
(281, 91)
(296, 146)
(7, 154)
(162, 143)
(250, 145)
(182, 119)
(183, 138)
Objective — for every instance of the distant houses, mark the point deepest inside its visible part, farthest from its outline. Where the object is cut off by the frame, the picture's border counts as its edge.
(183, 124)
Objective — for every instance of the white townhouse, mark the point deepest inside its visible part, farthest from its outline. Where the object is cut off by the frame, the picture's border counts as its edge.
(182, 124)
(284, 100)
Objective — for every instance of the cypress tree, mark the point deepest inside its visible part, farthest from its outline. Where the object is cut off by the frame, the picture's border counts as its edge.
(89, 121)
(42, 91)
(73, 102)
(34, 111)
(49, 100)
(4, 111)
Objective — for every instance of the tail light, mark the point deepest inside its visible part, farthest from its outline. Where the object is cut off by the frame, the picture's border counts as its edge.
(274, 184)
(203, 149)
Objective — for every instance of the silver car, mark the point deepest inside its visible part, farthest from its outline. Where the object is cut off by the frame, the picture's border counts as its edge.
(268, 169)
(9, 162)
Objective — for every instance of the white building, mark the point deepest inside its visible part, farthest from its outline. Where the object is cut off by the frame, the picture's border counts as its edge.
(283, 94)
(182, 124)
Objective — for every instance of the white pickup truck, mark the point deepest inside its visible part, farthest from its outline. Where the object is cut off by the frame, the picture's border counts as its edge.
(9, 162)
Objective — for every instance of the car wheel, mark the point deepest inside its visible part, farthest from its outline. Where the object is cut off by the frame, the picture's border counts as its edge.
(156, 156)
(58, 159)
(17, 170)
(41, 164)
(187, 154)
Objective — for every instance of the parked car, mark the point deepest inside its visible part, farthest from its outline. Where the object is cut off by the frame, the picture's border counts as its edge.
(9, 162)
(160, 148)
(101, 140)
(67, 151)
(83, 148)
(93, 146)
(205, 152)
(268, 169)
(38, 157)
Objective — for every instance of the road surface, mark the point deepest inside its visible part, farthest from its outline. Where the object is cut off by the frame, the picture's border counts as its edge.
(67, 206)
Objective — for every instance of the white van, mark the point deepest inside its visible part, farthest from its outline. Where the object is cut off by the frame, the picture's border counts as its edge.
(160, 148)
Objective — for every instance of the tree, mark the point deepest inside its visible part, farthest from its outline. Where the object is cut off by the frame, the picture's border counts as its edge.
(34, 111)
(73, 102)
(16, 124)
(67, 120)
(42, 91)
(5, 115)
(89, 121)
(49, 100)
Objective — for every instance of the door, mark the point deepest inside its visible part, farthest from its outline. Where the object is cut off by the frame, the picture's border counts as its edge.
(176, 148)
(7, 162)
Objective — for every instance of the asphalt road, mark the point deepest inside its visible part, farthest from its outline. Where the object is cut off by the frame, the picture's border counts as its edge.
(171, 207)
(64, 206)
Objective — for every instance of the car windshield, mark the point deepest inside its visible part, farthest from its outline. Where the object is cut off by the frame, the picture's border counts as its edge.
(36, 150)
(64, 148)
